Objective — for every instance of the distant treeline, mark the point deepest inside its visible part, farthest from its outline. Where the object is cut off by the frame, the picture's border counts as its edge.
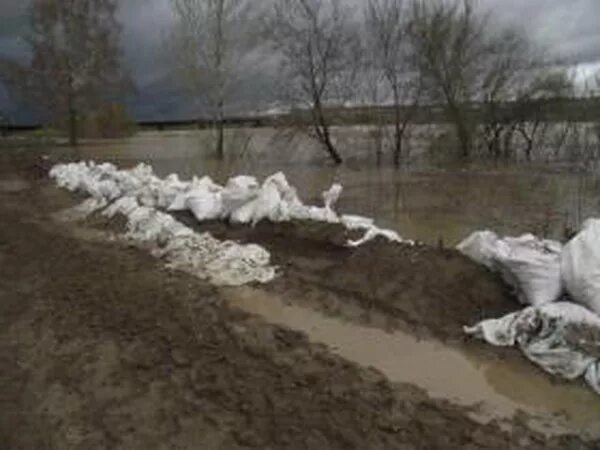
(549, 110)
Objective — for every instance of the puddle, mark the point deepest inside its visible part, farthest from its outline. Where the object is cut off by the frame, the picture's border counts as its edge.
(13, 186)
(498, 388)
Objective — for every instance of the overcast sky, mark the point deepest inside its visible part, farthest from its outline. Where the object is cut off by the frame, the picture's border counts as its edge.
(569, 29)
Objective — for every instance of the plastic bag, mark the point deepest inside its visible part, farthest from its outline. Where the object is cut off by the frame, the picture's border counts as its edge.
(548, 336)
(580, 266)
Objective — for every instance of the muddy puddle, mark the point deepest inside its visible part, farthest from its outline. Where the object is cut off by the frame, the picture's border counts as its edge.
(496, 389)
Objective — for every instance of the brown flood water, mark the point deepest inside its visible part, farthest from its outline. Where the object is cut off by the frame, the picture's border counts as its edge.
(426, 205)
(497, 388)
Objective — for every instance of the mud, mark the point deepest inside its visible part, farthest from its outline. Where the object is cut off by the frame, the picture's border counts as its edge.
(426, 290)
(103, 348)
(497, 389)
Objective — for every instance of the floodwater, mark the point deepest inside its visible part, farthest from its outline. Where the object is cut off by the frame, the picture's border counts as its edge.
(427, 204)
(498, 389)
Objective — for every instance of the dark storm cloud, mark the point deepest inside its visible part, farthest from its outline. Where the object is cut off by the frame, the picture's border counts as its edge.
(567, 29)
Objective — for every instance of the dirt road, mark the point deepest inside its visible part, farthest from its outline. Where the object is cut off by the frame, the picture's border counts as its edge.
(101, 347)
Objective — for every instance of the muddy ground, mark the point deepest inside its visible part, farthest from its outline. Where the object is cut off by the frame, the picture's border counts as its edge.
(101, 347)
(432, 291)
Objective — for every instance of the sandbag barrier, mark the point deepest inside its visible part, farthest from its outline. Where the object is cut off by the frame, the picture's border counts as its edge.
(145, 200)
(540, 271)
(559, 329)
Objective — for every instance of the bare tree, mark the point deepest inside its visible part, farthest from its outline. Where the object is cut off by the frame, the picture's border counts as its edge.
(75, 60)
(389, 44)
(449, 44)
(506, 66)
(212, 42)
(318, 47)
(547, 87)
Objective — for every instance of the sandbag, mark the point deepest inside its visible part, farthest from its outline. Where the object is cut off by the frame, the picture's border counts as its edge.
(481, 247)
(531, 266)
(580, 266)
(553, 336)
(331, 196)
(266, 205)
(238, 192)
(205, 205)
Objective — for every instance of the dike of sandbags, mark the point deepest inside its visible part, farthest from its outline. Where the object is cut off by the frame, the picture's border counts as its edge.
(147, 201)
(559, 330)
(136, 195)
(242, 200)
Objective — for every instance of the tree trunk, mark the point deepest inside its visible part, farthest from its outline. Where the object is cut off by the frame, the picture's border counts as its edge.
(462, 132)
(398, 133)
(322, 130)
(333, 153)
(398, 149)
(73, 141)
(220, 144)
(464, 138)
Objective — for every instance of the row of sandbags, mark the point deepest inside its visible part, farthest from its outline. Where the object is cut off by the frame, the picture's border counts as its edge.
(136, 195)
(551, 331)
(241, 200)
(541, 271)
(244, 201)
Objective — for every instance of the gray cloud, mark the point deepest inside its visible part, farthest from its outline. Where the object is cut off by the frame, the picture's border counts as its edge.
(565, 29)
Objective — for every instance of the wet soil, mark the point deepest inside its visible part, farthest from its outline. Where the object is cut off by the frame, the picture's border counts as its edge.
(432, 291)
(101, 347)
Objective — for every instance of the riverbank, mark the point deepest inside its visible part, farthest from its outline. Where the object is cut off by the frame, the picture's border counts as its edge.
(103, 347)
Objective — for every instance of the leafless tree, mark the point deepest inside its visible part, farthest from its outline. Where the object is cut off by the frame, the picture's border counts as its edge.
(546, 89)
(506, 66)
(75, 60)
(450, 44)
(318, 47)
(389, 44)
(212, 42)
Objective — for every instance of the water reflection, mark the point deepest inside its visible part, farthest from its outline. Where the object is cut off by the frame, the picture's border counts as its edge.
(423, 205)
(499, 387)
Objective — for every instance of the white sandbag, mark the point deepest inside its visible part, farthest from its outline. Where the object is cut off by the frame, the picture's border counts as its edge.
(124, 206)
(267, 204)
(374, 232)
(530, 265)
(317, 214)
(238, 192)
(481, 247)
(352, 222)
(205, 205)
(580, 267)
(179, 203)
(331, 196)
(542, 334)
(197, 188)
